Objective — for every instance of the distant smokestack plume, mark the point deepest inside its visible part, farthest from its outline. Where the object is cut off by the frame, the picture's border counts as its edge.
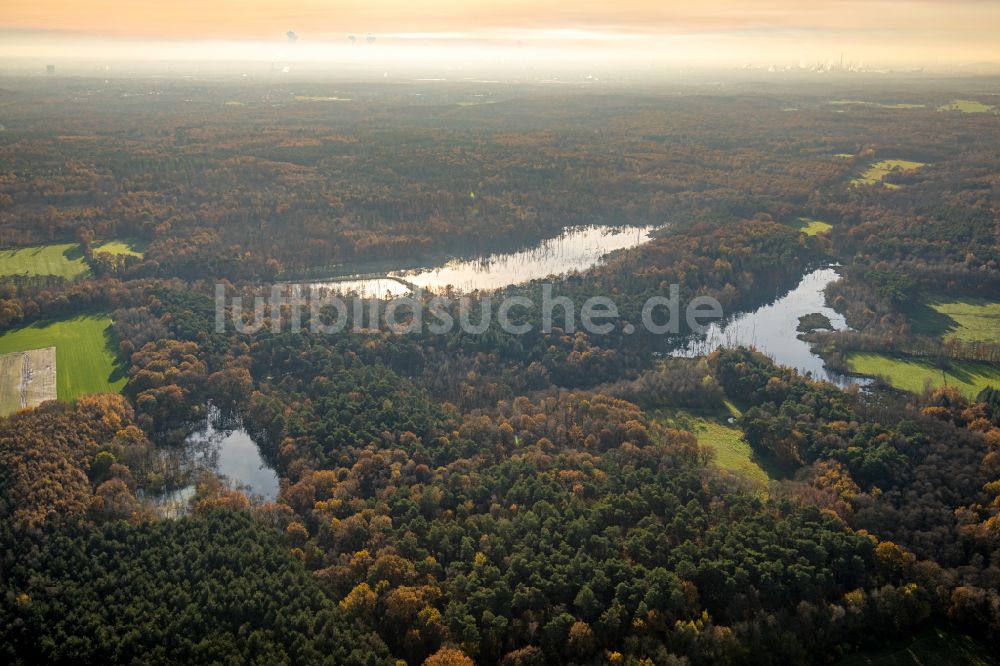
(292, 37)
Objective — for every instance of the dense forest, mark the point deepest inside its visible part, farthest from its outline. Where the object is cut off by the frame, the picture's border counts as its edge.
(495, 498)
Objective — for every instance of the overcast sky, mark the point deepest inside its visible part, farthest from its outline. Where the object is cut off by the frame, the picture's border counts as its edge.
(729, 32)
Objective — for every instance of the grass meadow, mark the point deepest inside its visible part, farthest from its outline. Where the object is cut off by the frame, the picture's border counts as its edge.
(966, 106)
(811, 227)
(968, 319)
(64, 260)
(119, 247)
(913, 374)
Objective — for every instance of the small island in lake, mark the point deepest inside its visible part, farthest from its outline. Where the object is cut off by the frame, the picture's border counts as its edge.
(814, 321)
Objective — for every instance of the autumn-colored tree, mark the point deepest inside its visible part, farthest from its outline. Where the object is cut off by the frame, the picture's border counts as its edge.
(448, 656)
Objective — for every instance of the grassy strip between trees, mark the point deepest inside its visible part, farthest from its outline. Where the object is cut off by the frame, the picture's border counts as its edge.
(913, 374)
(64, 260)
(86, 357)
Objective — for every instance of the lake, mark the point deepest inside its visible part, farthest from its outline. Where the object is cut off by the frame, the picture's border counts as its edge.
(576, 249)
(772, 330)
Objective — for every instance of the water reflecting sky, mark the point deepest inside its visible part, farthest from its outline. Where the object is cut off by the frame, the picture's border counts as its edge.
(772, 330)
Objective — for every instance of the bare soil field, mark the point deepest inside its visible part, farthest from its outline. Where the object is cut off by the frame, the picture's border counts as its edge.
(27, 379)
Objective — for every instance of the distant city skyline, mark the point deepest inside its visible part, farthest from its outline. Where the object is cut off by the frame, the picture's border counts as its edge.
(719, 32)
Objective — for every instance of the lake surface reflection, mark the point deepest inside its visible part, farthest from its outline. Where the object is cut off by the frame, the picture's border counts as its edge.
(772, 330)
(232, 453)
(222, 446)
(368, 287)
(576, 249)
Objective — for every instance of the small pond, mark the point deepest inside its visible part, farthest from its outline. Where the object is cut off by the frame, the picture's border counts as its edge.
(220, 445)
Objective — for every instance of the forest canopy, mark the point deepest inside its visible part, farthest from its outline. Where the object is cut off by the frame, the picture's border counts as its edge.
(493, 498)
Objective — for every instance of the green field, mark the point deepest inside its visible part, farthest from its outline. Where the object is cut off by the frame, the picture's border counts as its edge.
(65, 260)
(912, 374)
(731, 452)
(811, 227)
(877, 172)
(969, 319)
(966, 106)
(119, 247)
(936, 646)
(85, 353)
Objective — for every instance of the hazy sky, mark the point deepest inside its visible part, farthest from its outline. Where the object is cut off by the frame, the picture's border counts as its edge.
(878, 32)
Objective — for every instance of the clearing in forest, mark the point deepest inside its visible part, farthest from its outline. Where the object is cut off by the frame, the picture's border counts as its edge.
(966, 106)
(119, 247)
(877, 172)
(732, 453)
(811, 227)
